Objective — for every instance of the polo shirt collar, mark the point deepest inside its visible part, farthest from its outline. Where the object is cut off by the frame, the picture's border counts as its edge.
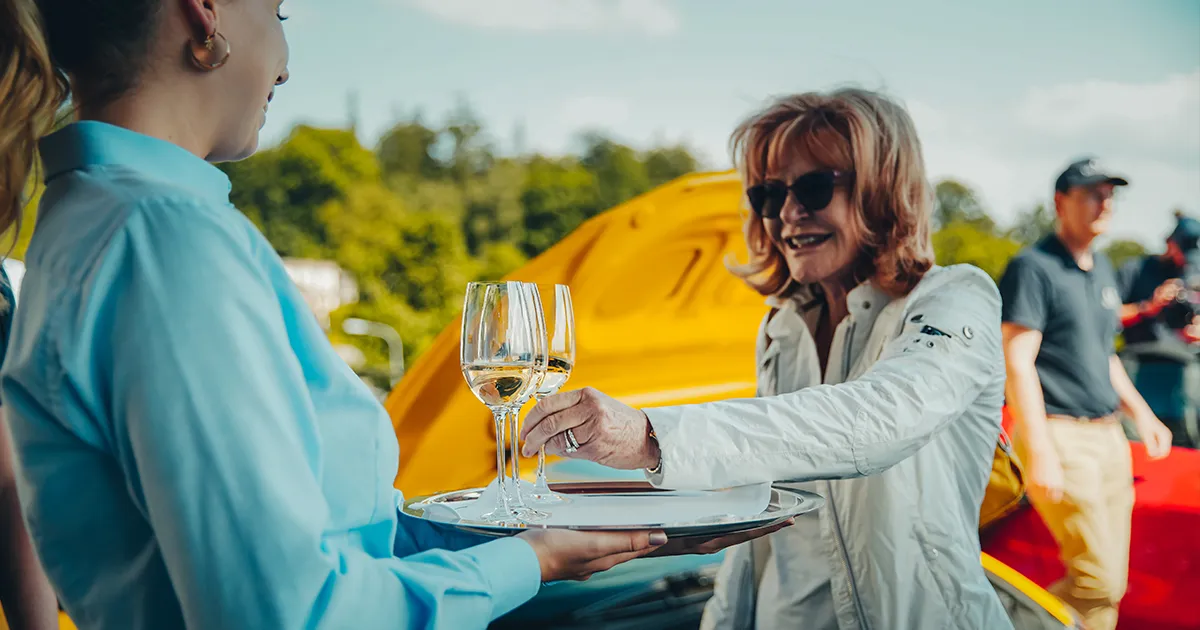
(1054, 246)
(91, 143)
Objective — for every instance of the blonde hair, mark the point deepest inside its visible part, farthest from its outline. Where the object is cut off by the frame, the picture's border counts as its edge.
(32, 91)
(848, 130)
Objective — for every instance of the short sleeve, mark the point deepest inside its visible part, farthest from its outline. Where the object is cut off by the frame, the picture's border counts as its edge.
(1024, 294)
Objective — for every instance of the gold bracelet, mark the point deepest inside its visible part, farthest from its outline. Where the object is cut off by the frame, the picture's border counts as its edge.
(658, 466)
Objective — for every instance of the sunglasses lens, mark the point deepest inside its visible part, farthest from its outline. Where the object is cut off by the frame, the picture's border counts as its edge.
(767, 199)
(814, 191)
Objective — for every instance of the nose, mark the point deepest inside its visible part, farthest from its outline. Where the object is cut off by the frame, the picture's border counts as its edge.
(283, 78)
(792, 211)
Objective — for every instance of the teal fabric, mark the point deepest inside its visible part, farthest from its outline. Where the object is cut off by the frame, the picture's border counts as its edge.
(193, 453)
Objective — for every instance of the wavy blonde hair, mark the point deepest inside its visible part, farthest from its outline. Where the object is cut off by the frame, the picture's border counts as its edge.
(849, 130)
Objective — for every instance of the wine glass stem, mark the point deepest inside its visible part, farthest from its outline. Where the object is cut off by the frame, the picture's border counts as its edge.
(541, 465)
(502, 486)
(514, 453)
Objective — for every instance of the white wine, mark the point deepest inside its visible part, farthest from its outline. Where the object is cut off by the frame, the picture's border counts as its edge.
(498, 384)
(557, 372)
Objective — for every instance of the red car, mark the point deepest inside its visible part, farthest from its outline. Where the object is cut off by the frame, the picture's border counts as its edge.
(1164, 563)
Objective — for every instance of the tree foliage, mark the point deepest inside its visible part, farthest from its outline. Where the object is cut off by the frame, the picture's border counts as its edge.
(434, 206)
(1032, 225)
(1122, 251)
(429, 209)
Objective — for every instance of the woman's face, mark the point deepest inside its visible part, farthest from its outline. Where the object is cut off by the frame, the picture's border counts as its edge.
(257, 64)
(820, 246)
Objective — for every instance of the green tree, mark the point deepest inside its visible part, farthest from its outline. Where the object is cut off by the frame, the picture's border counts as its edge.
(1032, 225)
(667, 163)
(493, 210)
(620, 173)
(1122, 251)
(411, 266)
(497, 260)
(956, 202)
(470, 155)
(281, 189)
(405, 150)
(558, 195)
(967, 242)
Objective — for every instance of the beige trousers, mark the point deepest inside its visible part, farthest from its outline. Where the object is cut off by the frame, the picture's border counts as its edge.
(1091, 522)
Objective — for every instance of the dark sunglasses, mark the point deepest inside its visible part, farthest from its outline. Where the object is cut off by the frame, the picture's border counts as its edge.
(813, 191)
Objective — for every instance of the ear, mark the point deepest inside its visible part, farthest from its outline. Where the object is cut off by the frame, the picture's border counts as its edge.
(201, 16)
(1059, 197)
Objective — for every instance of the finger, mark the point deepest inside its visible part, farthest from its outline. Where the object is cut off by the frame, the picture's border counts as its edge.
(608, 562)
(550, 426)
(557, 445)
(549, 406)
(717, 544)
(609, 543)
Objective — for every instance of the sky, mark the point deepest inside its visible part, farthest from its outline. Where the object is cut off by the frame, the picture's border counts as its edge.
(1004, 94)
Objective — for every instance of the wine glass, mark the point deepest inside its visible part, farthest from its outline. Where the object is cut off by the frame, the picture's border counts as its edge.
(560, 335)
(531, 309)
(497, 351)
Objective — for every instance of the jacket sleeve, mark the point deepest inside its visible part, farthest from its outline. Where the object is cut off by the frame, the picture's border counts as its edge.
(217, 436)
(946, 354)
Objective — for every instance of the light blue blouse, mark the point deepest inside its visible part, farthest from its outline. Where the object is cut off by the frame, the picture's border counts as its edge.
(192, 450)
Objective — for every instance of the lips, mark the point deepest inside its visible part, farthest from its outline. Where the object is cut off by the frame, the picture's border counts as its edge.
(801, 242)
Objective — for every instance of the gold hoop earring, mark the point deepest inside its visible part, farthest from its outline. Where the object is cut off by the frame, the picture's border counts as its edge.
(210, 54)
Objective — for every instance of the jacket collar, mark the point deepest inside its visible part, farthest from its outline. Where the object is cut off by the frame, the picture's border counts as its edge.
(798, 312)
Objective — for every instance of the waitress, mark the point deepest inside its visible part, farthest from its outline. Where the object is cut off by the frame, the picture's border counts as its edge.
(25, 594)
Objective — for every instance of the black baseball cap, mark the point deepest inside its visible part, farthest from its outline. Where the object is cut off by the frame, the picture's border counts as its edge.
(1186, 234)
(1087, 172)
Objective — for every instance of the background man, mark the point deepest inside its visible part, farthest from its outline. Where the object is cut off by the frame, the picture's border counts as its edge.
(1161, 335)
(1065, 385)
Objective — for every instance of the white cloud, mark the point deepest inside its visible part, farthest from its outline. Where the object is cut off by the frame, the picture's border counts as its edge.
(1153, 119)
(655, 17)
(1148, 132)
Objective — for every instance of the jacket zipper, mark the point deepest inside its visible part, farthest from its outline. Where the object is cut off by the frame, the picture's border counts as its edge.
(837, 524)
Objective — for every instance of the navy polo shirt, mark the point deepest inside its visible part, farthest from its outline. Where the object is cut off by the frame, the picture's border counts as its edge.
(1078, 314)
(1138, 280)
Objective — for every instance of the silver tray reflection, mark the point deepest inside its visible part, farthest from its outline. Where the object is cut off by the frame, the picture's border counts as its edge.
(784, 504)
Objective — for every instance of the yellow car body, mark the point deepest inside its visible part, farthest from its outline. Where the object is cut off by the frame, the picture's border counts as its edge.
(660, 320)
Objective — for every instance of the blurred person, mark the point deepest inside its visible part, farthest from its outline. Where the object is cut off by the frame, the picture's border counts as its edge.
(192, 452)
(1065, 386)
(26, 597)
(877, 371)
(1161, 332)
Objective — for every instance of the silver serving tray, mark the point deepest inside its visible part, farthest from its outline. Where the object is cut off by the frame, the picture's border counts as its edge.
(784, 504)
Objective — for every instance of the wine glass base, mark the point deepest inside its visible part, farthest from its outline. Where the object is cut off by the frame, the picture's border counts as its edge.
(549, 498)
(530, 515)
(541, 493)
(499, 516)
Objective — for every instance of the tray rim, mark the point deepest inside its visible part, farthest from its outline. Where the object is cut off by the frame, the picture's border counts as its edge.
(805, 501)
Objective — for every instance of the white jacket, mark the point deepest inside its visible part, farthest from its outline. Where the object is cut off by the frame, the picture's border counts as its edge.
(905, 425)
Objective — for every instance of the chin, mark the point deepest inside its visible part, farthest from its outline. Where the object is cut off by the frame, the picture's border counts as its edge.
(1099, 227)
(810, 276)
